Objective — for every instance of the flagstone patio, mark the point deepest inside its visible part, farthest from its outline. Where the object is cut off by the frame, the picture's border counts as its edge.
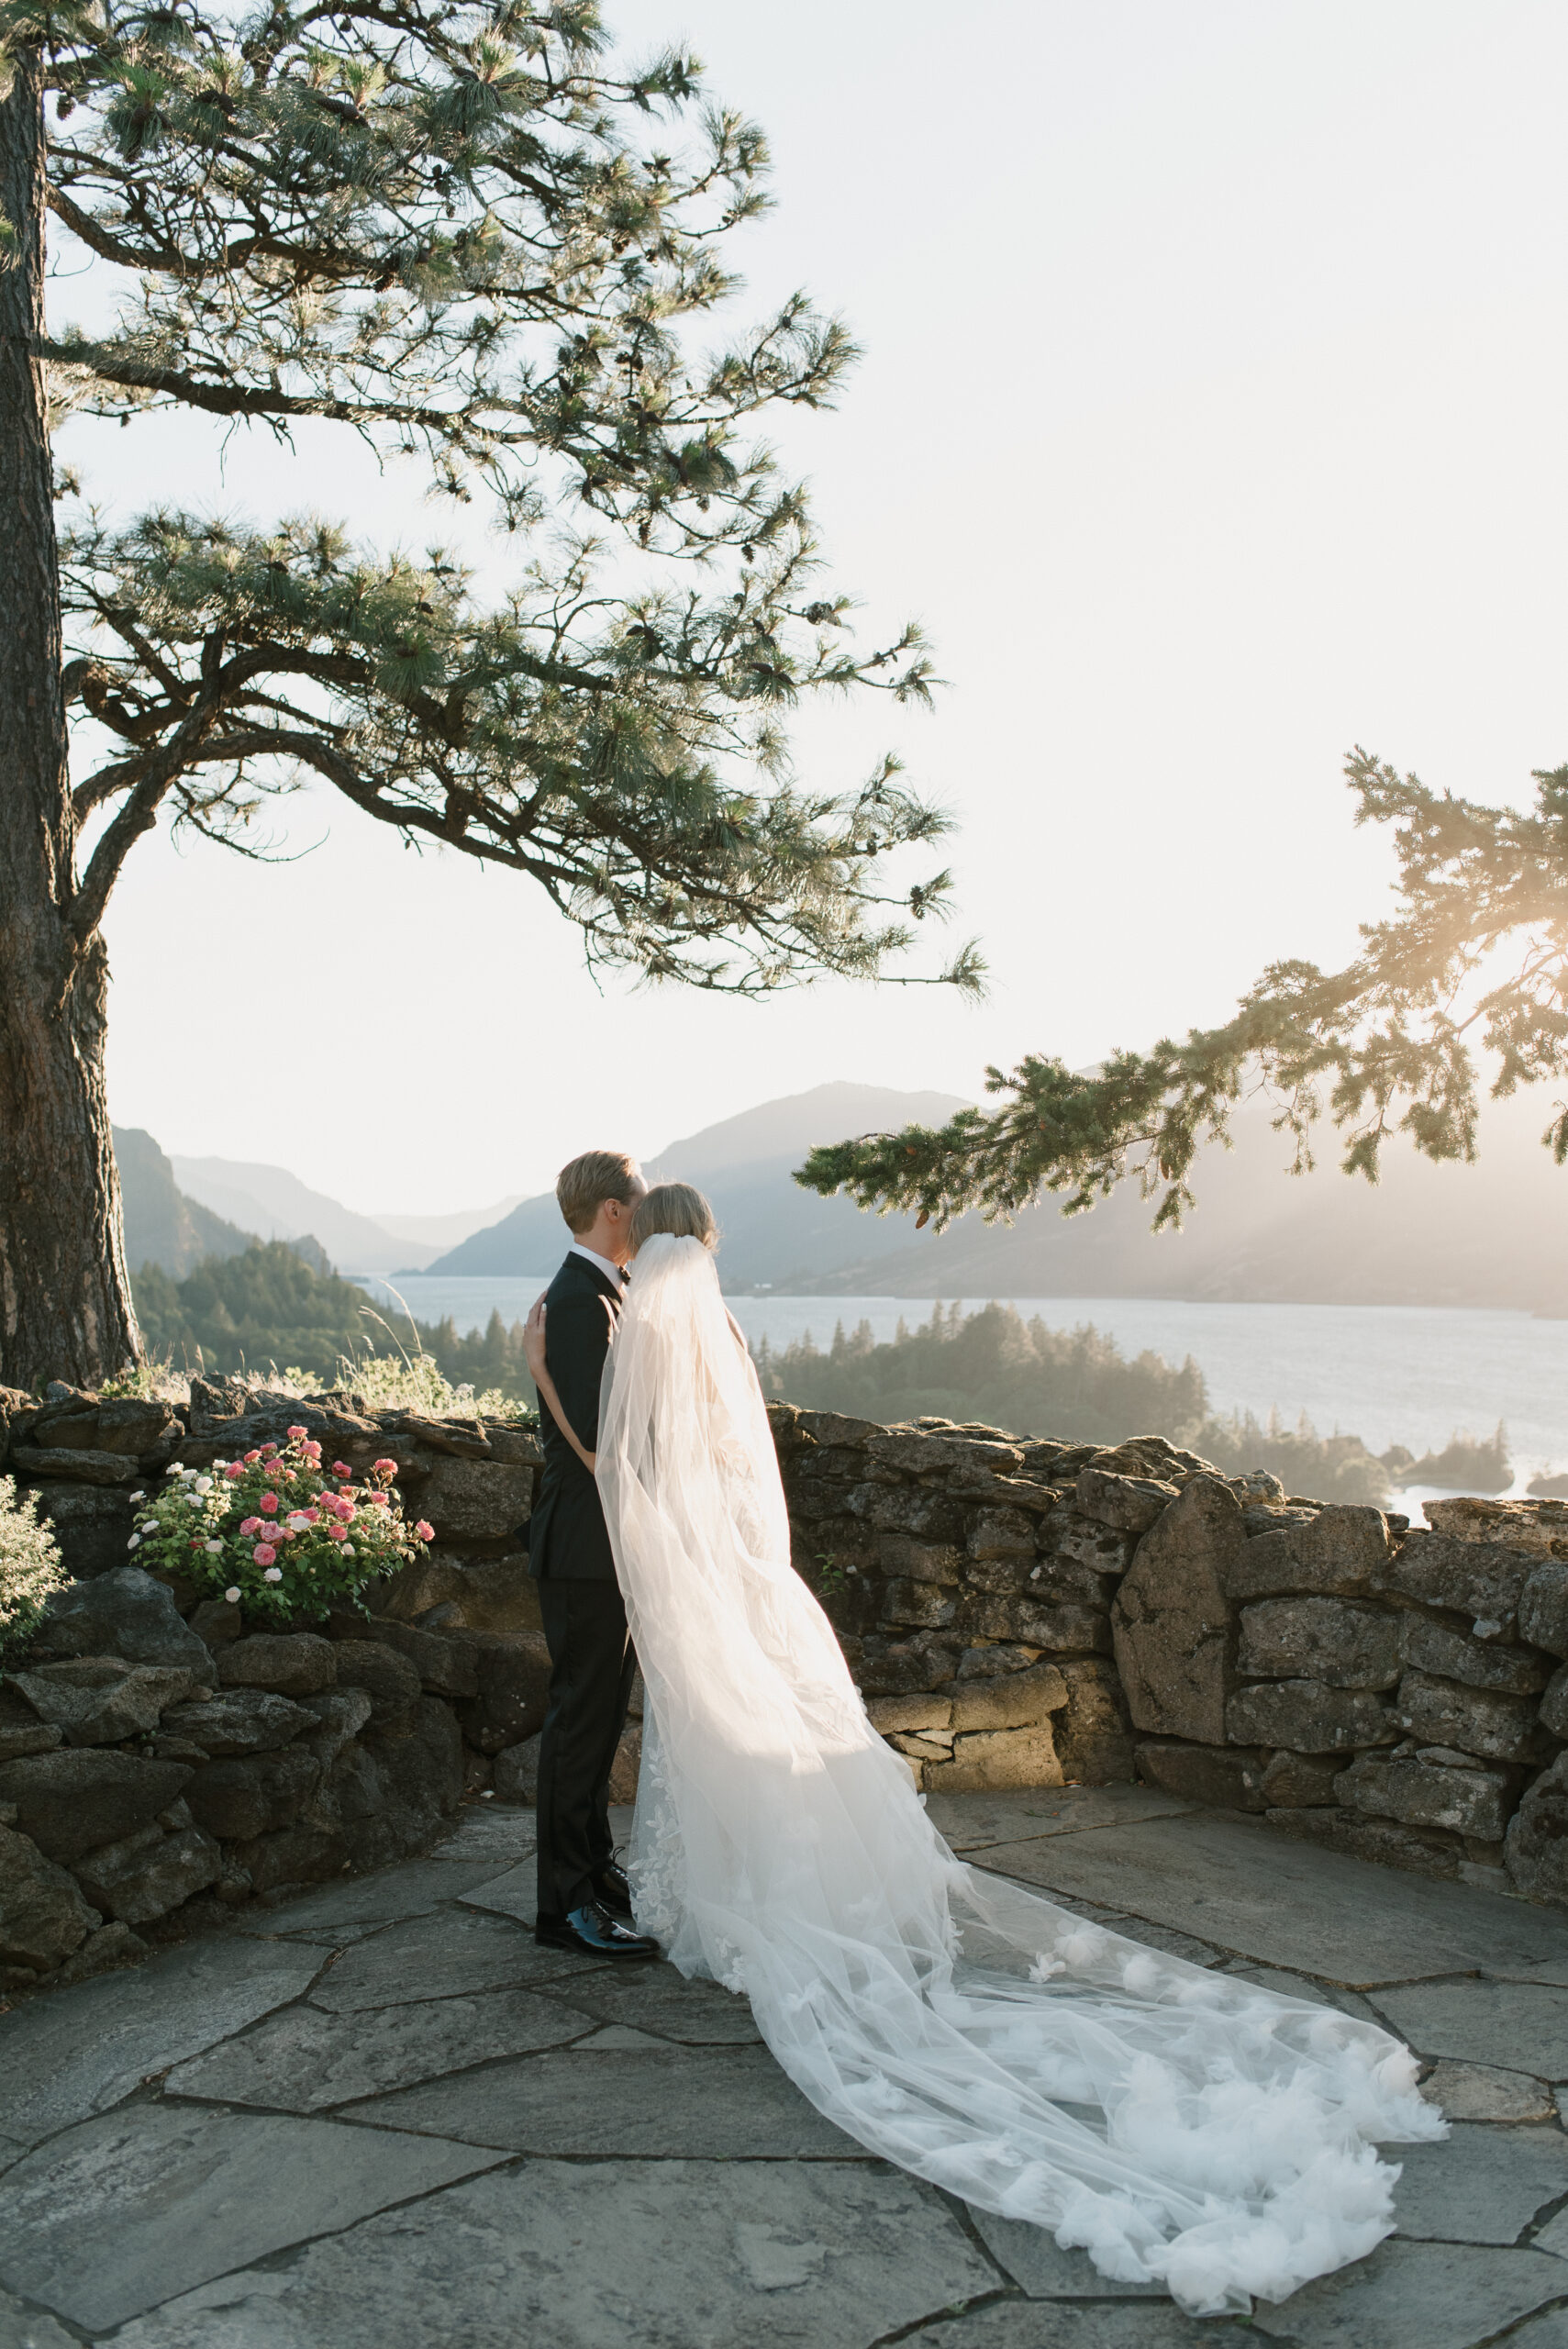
(379, 2117)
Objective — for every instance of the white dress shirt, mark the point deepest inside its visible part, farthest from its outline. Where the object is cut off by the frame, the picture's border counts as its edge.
(611, 1272)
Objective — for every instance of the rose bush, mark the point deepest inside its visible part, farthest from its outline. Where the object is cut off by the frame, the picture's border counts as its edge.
(274, 1531)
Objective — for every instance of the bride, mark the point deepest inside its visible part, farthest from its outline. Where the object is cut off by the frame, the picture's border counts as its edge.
(1181, 2126)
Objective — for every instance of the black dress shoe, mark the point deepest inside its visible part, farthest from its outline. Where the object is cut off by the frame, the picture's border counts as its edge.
(612, 1891)
(591, 1932)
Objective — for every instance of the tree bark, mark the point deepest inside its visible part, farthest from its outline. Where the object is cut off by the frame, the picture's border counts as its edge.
(65, 1309)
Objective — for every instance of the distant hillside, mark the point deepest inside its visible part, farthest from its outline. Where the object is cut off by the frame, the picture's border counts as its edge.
(446, 1230)
(1495, 1233)
(271, 1201)
(776, 1235)
(162, 1226)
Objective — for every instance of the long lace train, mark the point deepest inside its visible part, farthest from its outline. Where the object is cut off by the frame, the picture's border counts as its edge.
(1181, 2126)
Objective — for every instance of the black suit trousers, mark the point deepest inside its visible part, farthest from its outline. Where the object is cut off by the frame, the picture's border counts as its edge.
(593, 1664)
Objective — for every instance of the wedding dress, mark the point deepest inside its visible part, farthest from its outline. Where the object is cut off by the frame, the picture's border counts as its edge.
(1181, 2126)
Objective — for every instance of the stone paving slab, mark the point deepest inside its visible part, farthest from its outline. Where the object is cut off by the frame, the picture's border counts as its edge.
(969, 1821)
(1481, 2185)
(446, 1953)
(1015, 2325)
(760, 2255)
(1040, 2268)
(1515, 2026)
(303, 2060)
(1265, 1897)
(24, 2328)
(1477, 2092)
(656, 1998)
(493, 1831)
(76, 2052)
(125, 2210)
(1415, 2295)
(380, 1897)
(701, 2103)
(1548, 2331)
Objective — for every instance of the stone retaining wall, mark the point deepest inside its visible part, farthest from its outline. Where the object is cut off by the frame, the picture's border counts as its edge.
(1018, 1614)
(1029, 1613)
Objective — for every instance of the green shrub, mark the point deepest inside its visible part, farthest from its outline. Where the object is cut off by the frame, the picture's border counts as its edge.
(30, 1571)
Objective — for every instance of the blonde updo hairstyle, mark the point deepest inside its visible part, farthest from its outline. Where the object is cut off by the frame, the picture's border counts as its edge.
(675, 1210)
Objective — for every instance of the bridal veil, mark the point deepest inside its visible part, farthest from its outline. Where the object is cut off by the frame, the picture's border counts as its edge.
(1184, 2127)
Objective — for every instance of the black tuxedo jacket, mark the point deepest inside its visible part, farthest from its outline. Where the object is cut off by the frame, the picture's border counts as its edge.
(567, 1536)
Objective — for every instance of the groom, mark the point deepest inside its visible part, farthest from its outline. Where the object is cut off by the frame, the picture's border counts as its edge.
(583, 1903)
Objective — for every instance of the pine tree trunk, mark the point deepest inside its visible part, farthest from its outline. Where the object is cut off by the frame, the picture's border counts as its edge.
(65, 1309)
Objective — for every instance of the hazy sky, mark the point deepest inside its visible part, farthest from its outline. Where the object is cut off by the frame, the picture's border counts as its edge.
(1211, 420)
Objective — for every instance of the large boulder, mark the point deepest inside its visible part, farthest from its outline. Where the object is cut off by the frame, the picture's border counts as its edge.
(1543, 1608)
(149, 1873)
(388, 1680)
(1341, 1552)
(70, 1802)
(472, 1594)
(476, 1500)
(1013, 1701)
(1536, 1853)
(1127, 1504)
(42, 1914)
(1436, 1647)
(38, 1464)
(1091, 1734)
(98, 1700)
(512, 1690)
(516, 1773)
(290, 1663)
(252, 1794)
(126, 1613)
(91, 1524)
(1423, 1790)
(21, 1732)
(1224, 1775)
(446, 1667)
(1344, 1646)
(1480, 1579)
(1170, 1621)
(1497, 1727)
(1309, 1716)
(990, 1760)
(239, 1721)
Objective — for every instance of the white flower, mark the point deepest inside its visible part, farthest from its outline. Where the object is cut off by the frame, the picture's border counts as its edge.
(220, 1463)
(347, 1550)
(137, 1496)
(203, 1484)
(215, 1549)
(232, 1594)
(134, 1542)
(272, 1574)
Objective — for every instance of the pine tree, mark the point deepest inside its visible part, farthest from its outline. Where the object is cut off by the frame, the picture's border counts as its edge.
(456, 229)
(1470, 973)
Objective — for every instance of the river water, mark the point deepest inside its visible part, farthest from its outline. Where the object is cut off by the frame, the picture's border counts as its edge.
(1410, 1375)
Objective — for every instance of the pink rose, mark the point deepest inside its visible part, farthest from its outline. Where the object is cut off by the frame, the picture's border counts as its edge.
(425, 1530)
(313, 1514)
(295, 1434)
(383, 1499)
(385, 1467)
(263, 1554)
(341, 1468)
(234, 1471)
(347, 1514)
(268, 1504)
(313, 1451)
(269, 1452)
(249, 1525)
(335, 1533)
(251, 1458)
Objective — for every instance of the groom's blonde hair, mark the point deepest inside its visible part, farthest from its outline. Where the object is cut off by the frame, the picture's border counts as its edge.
(582, 1188)
(676, 1209)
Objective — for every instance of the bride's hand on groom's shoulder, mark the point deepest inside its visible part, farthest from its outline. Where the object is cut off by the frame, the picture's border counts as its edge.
(533, 1336)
